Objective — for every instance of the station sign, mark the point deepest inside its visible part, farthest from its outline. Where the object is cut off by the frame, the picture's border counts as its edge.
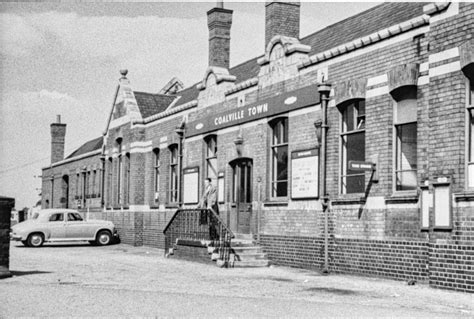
(281, 103)
(361, 166)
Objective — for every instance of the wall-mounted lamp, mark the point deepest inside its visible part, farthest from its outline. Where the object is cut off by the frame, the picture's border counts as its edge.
(319, 129)
(239, 140)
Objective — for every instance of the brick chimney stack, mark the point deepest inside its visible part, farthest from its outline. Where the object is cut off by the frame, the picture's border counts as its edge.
(282, 18)
(58, 133)
(219, 21)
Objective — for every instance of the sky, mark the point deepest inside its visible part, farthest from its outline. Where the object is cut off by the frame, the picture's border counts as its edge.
(64, 58)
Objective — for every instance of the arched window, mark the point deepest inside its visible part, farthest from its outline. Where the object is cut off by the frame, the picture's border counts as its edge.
(127, 179)
(119, 171)
(211, 156)
(470, 109)
(353, 145)
(405, 131)
(279, 155)
(156, 173)
(173, 185)
(110, 171)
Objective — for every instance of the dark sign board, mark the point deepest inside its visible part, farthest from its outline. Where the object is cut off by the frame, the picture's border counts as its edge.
(361, 166)
(278, 104)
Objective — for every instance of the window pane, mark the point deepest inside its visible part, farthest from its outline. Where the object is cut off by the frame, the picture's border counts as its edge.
(471, 139)
(470, 169)
(355, 149)
(406, 180)
(280, 158)
(348, 118)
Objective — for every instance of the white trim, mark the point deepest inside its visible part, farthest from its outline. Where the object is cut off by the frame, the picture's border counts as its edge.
(75, 158)
(163, 145)
(443, 55)
(168, 118)
(139, 208)
(141, 144)
(425, 66)
(377, 80)
(119, 122)
(445, 68)
(367, 49)
(163, 139)
(194, 138)
(376, 92)
(141, 150)
(453, 10)
(422, 80)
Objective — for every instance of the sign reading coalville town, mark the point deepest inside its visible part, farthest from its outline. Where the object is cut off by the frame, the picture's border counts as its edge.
(361, 166)
(191, 185)
(305, 174)
(278, 104)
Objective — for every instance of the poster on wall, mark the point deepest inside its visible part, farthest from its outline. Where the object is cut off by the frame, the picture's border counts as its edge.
(220, 187)
(305, 174)
(191, 185)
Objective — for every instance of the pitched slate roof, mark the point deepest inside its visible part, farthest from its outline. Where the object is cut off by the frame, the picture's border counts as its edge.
(375, 19)
(92, 145)
(151, 104)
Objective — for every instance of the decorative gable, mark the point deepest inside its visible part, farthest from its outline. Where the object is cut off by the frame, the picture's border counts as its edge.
(215, 83)
(282, 56)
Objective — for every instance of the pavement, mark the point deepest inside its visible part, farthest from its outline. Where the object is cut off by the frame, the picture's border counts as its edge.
(79, 280)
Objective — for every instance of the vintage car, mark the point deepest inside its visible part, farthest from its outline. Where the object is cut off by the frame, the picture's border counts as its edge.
(57, 225)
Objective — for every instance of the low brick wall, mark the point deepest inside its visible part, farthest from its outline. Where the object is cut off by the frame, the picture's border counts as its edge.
(452, 267)
(138, 228)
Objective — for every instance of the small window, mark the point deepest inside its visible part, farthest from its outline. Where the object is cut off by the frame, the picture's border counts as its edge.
(74, 217)
(470, 159)
(405, 126)
(173, 185)
(279, 150)
(211, 157)
(156, 167)
(59, 217)
(353, 146)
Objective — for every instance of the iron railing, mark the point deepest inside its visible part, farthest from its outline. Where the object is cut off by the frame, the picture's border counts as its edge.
(199, 225)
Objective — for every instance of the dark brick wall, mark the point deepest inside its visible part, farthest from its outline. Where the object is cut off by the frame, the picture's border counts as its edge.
(282, 19)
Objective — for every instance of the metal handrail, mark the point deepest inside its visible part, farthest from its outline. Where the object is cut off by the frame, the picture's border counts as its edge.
(199, 224)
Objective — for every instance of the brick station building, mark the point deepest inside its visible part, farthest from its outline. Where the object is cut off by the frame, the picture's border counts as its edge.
(358, 138)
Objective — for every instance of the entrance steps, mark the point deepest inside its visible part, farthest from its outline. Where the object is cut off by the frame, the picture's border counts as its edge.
(246, 253)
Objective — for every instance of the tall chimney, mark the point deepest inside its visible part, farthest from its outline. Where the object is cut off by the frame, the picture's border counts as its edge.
(58, 133)
(282, 18)
(219, 21)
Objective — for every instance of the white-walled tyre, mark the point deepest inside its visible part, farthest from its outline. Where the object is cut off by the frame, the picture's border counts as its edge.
(103, 238)
(35, 240)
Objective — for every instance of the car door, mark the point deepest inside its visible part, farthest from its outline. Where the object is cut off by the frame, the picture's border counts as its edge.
(75, 226)
(56, 226)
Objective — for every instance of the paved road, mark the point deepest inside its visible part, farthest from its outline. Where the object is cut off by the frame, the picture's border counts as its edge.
(85, 281)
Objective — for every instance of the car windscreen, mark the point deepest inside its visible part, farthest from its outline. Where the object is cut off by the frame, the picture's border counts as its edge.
(35, 216)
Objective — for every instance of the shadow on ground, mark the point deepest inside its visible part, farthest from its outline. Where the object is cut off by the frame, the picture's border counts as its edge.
(26, 273)
(342, 292)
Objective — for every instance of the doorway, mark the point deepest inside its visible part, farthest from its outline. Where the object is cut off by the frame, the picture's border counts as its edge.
(242, 193)
(65, 191)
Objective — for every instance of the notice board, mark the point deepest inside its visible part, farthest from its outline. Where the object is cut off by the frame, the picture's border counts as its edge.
(305, 174)
(191, 185)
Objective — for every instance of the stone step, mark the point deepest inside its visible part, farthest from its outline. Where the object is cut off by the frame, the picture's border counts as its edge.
(249, 256)
(247, 249)
(251, 263)
(242, 236)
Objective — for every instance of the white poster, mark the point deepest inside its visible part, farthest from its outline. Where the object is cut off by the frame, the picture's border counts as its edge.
(191, 185)
(442, 206)
(305, 174)
(220, 187)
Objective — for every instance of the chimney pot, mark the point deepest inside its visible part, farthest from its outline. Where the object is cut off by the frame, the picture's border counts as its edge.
(282, 18)
(219, 21)
(124, 72)
(58, 118)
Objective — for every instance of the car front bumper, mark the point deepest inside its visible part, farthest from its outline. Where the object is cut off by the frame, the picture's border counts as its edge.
(15, 237)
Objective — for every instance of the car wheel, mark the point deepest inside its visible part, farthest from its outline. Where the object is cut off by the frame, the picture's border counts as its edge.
(103, 238)
(25, 243)
(35, 240)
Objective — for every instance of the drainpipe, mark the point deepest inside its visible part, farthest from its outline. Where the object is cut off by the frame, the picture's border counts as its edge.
(180, 131)
(324, 89)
